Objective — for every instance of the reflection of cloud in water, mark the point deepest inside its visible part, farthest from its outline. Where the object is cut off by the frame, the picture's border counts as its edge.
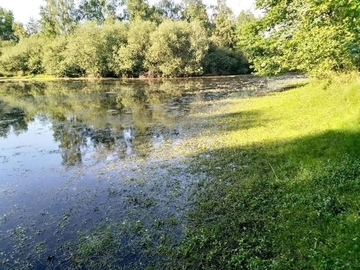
(157, 140)
(128, 137)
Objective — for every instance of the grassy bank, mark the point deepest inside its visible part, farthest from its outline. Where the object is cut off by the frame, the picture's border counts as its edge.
(282, 189)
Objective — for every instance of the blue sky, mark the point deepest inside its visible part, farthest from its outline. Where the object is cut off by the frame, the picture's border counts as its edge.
(24, 9)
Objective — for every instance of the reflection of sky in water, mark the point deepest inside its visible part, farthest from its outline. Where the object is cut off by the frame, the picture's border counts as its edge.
(27, 150)
(31, 161)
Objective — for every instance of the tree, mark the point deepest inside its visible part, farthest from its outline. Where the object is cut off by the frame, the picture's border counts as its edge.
(19, 31)
(58, 17)
(223, 34)
(6, 24)
(225, 61)
(98, 10)
(130, 58)
(56, 59)
(33, 27)
(92, 48)
(244, 17)
(309, 36)
(195, 10)
(139, 10)
(24, 57)
(169, 9)
(177, 49)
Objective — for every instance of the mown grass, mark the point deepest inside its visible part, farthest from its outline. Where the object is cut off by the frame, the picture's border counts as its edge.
(283, 182)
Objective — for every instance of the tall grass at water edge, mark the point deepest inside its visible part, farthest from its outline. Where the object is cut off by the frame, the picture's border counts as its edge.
(282, 185)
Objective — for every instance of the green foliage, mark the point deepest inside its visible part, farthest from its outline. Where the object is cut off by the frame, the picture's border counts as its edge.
(177, 48)
(330, 55)
(223, 34)
(130, 58)
(195, 10)
(85, 38)
(314, 37)
(225, 61)
(97, 10)
(169, 9)
(140, 10)
(19, 31)
(24, 57)
(58, 17)
(91, 48)
(6, 43)
(56, 62)
(6, 25)
(244, 17)
(33, 27)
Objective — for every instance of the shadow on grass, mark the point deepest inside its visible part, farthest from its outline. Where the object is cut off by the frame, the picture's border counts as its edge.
(232, 121)
(284, 205)
(289, 87)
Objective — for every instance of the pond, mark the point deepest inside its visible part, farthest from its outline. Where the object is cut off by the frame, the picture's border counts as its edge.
(95, 174)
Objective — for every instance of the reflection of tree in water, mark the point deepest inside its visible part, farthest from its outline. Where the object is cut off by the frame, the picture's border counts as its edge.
(110, 101)
(11, 117)
(169, 101)
(69, 134)
(76, 138)
(117, 119)
(25, 91)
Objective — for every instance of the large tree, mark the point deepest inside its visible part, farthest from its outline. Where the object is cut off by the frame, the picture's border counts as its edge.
(177, 48)
(223, 34)
(23, 58)
(139, 10)
(195, 10)
(58, 17)
(169, 9)
(99, 10)
(6, 24)
(304, 35)
(130, 58)
(92, 48)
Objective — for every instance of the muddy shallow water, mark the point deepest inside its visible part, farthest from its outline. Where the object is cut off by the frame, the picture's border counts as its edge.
(92, 175)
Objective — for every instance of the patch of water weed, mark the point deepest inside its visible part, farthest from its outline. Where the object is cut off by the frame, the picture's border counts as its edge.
(126, 245)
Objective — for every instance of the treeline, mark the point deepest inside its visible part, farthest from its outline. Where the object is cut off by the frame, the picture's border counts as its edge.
(109, 38)
(131, 38)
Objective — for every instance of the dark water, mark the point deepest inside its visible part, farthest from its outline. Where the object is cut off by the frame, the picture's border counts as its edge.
(91, 174)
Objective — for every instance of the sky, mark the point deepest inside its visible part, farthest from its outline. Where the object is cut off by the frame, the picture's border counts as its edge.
(23, 10)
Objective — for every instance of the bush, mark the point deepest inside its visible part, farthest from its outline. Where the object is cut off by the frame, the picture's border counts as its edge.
(225, 61)
(55, 61)
(177, 49)
(24, 57)
(92, 48)
(129, 59)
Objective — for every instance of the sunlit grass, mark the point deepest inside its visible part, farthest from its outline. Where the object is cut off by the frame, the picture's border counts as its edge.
(311, 109)
(283, 181)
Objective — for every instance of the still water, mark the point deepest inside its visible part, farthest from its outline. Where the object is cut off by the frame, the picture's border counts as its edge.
(92, 174)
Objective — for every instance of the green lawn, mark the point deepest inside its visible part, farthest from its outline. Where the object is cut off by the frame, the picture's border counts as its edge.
(282, 184)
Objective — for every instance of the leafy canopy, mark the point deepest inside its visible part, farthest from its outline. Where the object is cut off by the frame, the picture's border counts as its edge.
(303, 35)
